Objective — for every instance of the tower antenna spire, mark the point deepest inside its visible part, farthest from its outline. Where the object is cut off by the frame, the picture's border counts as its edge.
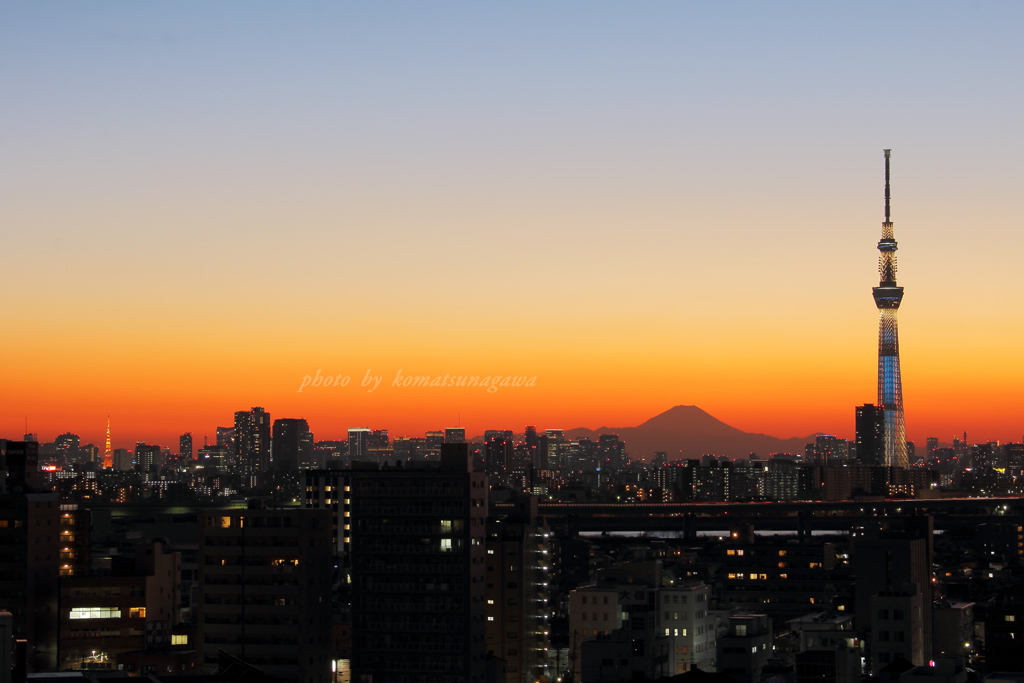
(887, 152)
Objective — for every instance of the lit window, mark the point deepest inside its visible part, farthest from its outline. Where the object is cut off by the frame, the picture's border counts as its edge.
(179, 640)
(490, 618)
(446, 544)
(95, 613)
(1010, 617)
(135, 612)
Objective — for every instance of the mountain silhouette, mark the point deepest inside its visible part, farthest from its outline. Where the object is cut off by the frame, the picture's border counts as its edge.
(689, 432)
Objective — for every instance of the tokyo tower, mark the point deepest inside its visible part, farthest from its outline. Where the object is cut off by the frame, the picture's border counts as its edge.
(888, 297)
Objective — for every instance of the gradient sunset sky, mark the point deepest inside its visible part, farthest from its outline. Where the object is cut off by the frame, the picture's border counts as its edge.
(641, 204)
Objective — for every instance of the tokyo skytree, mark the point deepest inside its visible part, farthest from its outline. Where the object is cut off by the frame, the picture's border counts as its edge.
(888, 297)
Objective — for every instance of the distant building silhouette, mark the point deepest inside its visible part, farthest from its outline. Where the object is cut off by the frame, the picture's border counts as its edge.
(870, 425)
(185, 451)
(455, 435)
(252, 444)
(291, 444)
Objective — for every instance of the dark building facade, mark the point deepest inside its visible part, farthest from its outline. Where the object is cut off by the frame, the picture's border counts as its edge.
(252, 444)
(870, 426)
(418, 568)
(265, 585)
(292, 444)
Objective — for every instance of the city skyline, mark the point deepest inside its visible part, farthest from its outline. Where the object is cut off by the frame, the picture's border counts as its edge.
(619, 203)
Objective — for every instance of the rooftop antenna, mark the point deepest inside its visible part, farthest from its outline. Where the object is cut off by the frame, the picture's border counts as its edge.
(887, 152)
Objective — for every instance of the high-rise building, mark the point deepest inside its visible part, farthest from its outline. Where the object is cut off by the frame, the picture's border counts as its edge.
(67, 446)
(827, 451)
(147, 458)
(378, 446)
(123, 460)
(292, 444)
(435, 440)
(252, 444)
(185, 451)
(518, 561)
(888, 297)
(265, 578)
(226, 437)
(498, 449)
(455, 435)
(108, 454)
(357, 443)
(418, 572)
(30, 561)
(611, 451)
(532, 441)
(870, 425)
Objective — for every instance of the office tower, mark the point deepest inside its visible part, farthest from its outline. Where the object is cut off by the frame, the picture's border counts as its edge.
(532, 446)
(407, 448)
(435, 439)
(185, 447)
(123, 460)
(252, 444)
(454, 435)
(226, 437)
(108, 453)
(870, 425)
(932, 443)
(826, 451)
(498, 448)
(292, 444)
(67, 446)
(984, 456)
(888, 297)
(147, 458)
(611, 451)
(1014, 453)
(30, 561)
(357, 443)
(378, 446)
(138, 595)
(418, 572)
(518, 561)
(265, 578)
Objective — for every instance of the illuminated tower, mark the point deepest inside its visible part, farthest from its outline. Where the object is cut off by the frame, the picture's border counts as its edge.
(108, 455)
(888, 297)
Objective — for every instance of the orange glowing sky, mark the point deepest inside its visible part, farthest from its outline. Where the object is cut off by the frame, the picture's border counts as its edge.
(640, 206)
